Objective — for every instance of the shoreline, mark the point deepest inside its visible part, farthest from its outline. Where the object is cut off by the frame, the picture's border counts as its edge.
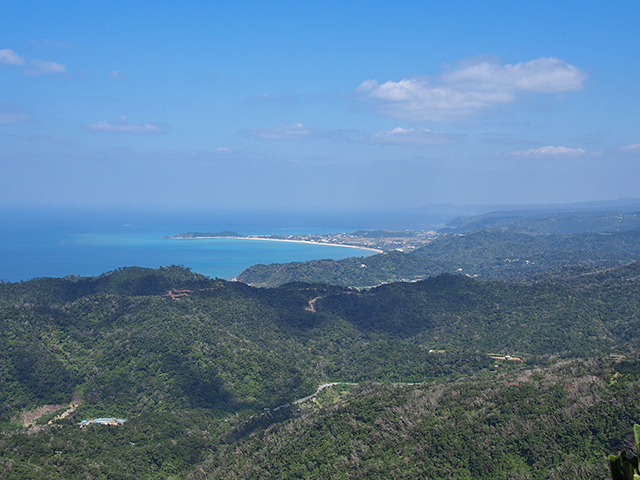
(371, 249)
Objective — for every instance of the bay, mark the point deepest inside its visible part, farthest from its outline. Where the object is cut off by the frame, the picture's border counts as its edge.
(56, 243)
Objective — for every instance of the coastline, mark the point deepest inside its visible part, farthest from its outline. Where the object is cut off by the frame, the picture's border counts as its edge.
(371, 249)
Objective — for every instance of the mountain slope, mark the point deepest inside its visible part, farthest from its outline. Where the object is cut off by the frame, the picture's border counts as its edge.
(552, 423)
(487, 254)
(194, 371)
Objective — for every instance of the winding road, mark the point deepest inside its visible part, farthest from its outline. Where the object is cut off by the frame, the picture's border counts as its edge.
(320, 388)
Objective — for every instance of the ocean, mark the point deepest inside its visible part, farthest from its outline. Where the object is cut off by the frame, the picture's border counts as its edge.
(56, 243)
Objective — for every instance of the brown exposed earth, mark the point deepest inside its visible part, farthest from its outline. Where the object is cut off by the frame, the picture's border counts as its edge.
(29, 418)
(312, 305)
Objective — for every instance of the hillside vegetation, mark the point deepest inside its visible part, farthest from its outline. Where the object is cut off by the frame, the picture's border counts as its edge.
(486, 254)
(351, 271)
(558, 222)
(553, 423)
(199, 368)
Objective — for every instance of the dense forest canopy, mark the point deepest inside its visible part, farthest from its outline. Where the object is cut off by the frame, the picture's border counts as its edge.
(194, 363)
(494, 254)
(553, 222)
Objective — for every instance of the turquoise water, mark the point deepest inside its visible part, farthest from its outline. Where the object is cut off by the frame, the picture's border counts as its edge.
(214, 257)
(56, 244)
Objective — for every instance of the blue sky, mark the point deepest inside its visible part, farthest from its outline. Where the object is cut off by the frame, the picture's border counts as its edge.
(318, 105)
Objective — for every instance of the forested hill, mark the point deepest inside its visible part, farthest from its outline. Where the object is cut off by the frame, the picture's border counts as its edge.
(487, 254)
(559, 222)
(553, 423)
(135, 281)
(189, 360)
(350, 271)
(509, 253)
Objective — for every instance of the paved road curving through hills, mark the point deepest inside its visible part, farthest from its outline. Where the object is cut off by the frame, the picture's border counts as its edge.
(320, 388)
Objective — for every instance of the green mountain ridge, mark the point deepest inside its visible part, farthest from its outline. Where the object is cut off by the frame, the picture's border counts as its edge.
(552, 423)
(194, 371)
(545, 222)
(486, 254)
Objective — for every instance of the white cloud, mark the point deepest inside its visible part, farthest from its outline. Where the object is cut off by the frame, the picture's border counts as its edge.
(412, 136)
(9, 57)
(550, 151)
(115, 75)
(14, 117)
(11, 113)
(297, 131)
(222, 150)
(469, 87)
(43, 66)
(631, 148)
(122, 125)
(53, 138)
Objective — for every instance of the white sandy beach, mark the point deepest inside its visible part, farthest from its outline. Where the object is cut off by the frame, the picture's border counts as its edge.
(376, 250)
